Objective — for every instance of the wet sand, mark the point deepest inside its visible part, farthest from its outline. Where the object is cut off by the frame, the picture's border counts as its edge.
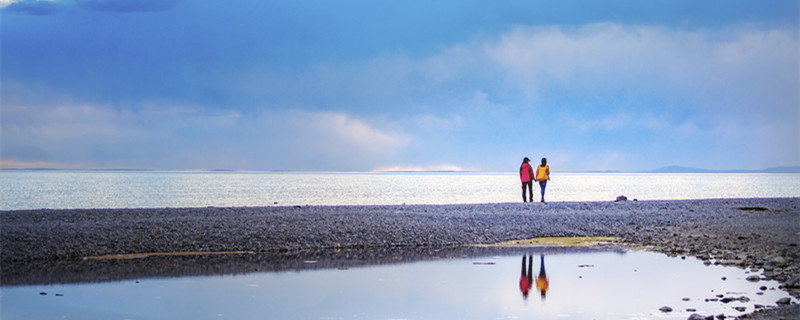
(750, 233)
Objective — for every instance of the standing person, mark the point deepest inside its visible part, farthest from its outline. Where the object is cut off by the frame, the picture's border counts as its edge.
(526, 175)
(542, 175)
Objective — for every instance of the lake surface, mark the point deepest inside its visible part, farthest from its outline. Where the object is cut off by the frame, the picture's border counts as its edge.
(31, 189)
(597, 285)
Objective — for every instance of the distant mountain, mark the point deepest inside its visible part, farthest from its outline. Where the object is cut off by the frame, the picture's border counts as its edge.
(795, 169)
(679, 169)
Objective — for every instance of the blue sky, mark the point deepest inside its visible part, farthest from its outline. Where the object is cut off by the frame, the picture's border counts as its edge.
(375, 85)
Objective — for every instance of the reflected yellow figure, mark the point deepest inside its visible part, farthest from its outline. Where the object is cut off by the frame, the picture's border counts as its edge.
(541, 282)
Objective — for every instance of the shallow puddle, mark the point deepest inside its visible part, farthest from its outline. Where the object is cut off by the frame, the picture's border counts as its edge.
(598, 285)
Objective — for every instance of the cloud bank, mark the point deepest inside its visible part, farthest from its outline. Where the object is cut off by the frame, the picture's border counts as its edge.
(165, 90)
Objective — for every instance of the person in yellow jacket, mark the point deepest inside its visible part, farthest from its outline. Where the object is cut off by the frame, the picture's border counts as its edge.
(543, 175)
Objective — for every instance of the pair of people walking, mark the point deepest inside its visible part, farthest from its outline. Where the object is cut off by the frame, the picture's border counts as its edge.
(527, 175)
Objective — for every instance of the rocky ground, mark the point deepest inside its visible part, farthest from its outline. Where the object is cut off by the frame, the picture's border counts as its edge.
(750, 233)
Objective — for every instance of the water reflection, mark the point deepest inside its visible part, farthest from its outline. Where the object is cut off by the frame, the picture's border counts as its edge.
(526, 279)
(541, 282)
(590, 285)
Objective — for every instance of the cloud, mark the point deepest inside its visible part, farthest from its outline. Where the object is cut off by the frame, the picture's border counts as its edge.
(50, 7)
(732, 84)
(227, 95)
(339, 132)
(610, 58)
(125, 6)
(32, 7)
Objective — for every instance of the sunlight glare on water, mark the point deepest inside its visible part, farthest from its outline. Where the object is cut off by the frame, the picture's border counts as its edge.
(157, 189)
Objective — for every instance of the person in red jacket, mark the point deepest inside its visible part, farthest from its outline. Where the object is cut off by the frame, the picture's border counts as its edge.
(542, 175)
(526, 175)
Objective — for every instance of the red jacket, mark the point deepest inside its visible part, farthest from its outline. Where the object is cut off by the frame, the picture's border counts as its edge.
(525, 172)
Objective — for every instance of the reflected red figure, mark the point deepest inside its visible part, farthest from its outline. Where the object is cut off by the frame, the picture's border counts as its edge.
(526, 280)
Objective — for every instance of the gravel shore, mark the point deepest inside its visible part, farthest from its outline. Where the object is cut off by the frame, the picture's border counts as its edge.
(750, 233)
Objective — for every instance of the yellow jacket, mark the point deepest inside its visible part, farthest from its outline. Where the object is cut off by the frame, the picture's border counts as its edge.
(543, 173)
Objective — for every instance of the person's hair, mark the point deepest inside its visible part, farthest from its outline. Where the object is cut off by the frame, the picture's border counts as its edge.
(526, 160)
(544, 162)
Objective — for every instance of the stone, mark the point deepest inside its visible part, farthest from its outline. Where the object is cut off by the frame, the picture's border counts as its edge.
(695, 316)
(784, 301)
(753, 278)
(778, 260)
(740, 309)
(665, 309)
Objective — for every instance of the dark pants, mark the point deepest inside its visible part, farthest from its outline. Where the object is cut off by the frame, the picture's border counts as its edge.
(529, 184)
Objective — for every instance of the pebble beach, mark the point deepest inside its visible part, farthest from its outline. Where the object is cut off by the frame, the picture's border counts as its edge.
(748, 233)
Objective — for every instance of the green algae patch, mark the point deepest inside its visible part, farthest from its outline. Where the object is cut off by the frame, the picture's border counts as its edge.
(557, 242)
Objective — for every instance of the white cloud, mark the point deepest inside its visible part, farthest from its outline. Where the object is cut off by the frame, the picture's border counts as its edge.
(6, 3)
(738, 63)
(340, 131)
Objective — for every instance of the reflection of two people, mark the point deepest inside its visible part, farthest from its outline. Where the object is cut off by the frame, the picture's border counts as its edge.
(526, 280)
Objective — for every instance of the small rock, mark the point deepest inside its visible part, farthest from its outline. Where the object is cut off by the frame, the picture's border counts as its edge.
(686, 299)
(784, 301)
(42, 293)
(621, 198)
(740, 309)
(778, 260)
(695, 316)
(753, 278)
(665, 309)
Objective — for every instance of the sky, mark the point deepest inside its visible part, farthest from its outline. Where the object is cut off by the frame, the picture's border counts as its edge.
(399, 85)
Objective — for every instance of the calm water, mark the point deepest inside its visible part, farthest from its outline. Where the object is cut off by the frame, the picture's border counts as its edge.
(152, 189)
(600, 285)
